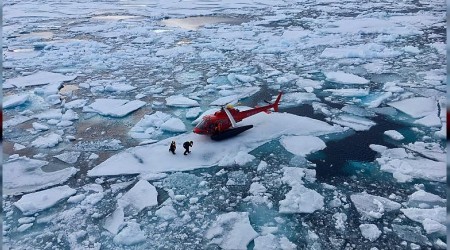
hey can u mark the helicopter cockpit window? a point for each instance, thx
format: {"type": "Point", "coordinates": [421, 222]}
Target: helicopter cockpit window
{"type": "Point", "coordinates": [202, 124]}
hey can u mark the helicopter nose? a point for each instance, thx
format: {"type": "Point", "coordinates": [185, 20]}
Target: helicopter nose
{"type": "Point", "coordinates": [198, 131]}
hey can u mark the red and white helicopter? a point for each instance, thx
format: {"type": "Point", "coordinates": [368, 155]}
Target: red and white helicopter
{"type": "Point", "coordinates": [222, 124]}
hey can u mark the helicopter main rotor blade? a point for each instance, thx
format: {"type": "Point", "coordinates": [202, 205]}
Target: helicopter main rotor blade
{"type": "Point", "coordinates": [233, 122]}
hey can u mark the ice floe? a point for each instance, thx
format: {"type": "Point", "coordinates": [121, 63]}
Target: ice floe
{"type": "Point", "coordinates": [35, 202]}
{"type": "Point", "coordinates": [47, 141]}
{"type": "Point", "coordinates": [345, 78]}
{"type": "Point", "coordinates": [302, 145]}
{"type": "Point", "coordinates": [14, 100]}
{"type": "Point", "coordinates": [113, 107]}
{"type": "Point", "coordinates": [231, 231]}
{"type": "Point", "coordinates": [406, 167]}
{"type": "Point", "coordinates": [205, 152]}
{"type": "Point", "coordinates": [394, 135]}
{"type": "Point", "coordinates": [38, 78]}
{"type": "Point", "coordinates": [370, 231]}
{"type": "Point", "coordinates": [297, 98]}
{"type": "Point", "coordinates": [173, 125]}
{"type": "Point", "coordinates": [181, 101]}
{"type": "Point", "coordinates": [356, 123]}
{"type": "Point", "coordinates": [416, 107]}
{"type": "Point", "coordinates": [371, 206]}
{"type": "Point", "coordinates": [140, 196]}
{"type": "Point", "coordinates": [130, 235]}
{"type": "Point", "coordinates": [25, 175]}
{"type": "Point", "coordinates": [69, 157]}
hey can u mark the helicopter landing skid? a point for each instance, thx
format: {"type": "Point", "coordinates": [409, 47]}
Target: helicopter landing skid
{"type": "Point", "coordinates": [230, 133]}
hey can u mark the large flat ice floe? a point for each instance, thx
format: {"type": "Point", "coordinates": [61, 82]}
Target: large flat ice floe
{"type": "Point", "coordinates": [39, 78]}
{"type": "Point", "coordinates": [205, 152]}
{"type": "Point", "coordinates": [345, 78]}
{"type": "Point", "coordinates": [406, 167]}
{"type": "Point", "coordinates": [114, 107]}
{"type": "Point", "coordinates": [302, 145]}
{"type": "Point", "coordinates": [416, 107]}
{"type": "Point", "coordinates": [26, 175]}
{"type": "Point", "coordinates": [35, 202]}
{"type": "Point", "coordinates": [231, 231]}
{"type": "Point", "coordinates": [371, 206]}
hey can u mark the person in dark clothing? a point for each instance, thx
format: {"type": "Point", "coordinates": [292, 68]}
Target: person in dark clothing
{"type": "Point", "coordinates": [186, 146]}
{"type": "Point", "coordinates": [172, 148]}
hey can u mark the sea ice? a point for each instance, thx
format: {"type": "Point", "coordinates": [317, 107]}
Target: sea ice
{"type": "Point", "coordinates": [405, 167]}
{"type": "Point", "coordinates": [272, 242]}
{"type": "Point", "coordinates": [12, 101]}
{"type": "Point", "coordinates": [114, 107]}
{"type": "Point", "coordinates": [130, 235]}
{"type": "Point", "coordinates": [25, 175]}
{"type": "Point", "coordinates": [416, 107]}
{"type": "Point", "coordinates": [348, 92]}
{"type": "Point", "coordinates": [193, 113]}
{"type": "Point", "coordinates": [356, 123]}
{"type": "Point", "coordinates": [35, 202]}
{"type": "Point", "coordinates": [371, 206]}
{"type": "Point", "coordinates": [39, 78]}
{"type": "Point", "coordinates": [302, 145]}
{"type": "Point", "coordinates": [205, 152]}
{"type": "Point", "coordinates": [68, 157]}
{"type": "Point", "coordinates": [421, 197]}
{"type": "Point", "coordinates": [301, 200]}
{"type": "Point", "coordinates": [430, 150]}
{"type": "Point", "coordinates": [235, 95]}
{"type": "Point", "coordinates": [345, 78]}
{"type": "Point", "coordinates": [437, 214]}
{"type": "Point", "coordinates": [394, 135]}
{"type": "Point", "coordinates": [166, 212]}
{"type": "Point", "coordinates": [47, 141]}
{"type": "Point", "coordinates": [114, 221]}
{"type": "Point", "coordinates": [231, 231]}
{"type": "Point", "coordinates": [370, 231]}
{"type": "Point", "coordinates": [296, 99]}
{"type": "Point", "coordinates": [181, 101]}
{"type": "Point", "coordinates": [173, 125]}
{"type": "Point", "coordinates": [140, 196]}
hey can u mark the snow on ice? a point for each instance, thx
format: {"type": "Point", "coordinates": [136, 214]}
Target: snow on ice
{"type": "Point", "coordinates": [114, 107]}
{"type": "Point", "coordinates": [302, 145]}
{"type": "Point", "coordinates": [35, 202]}
{"type": "Point", "coordinates": [345, 78]}
{"type": "Point", "coordinates": [140, 196]}
{"type": "Point", "coordinates": [14, 100]}
{"type": "Point", "coordinates": [231, 231]}
{"type": "Point", "coordinates": [416, 107]}
{"type": "Point", "coordinates": [205, 152]}
{"type": "Point", "coordinates": [370, 231]}
{"type": "Point", "coordinates": [181, 102]}
{"type": "Point", "coordinates": [39, 78]}
{"type": "Point", "coordinates": [25, 175]}
{"type": "Point", "coordinates": [371, 206]}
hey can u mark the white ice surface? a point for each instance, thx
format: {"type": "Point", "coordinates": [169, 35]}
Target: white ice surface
{"type": "Point", "coordinates": [236, 95]}
{"type": "Point", "coordinates": [69, 157]}
{"type": "Point", "coordinates": [406, 167]}
{"type": "Point", "coordinates": [47, 141]}
{"type": "Point", "coordinates": [370, 231]}
{"type": "Point", "coordinates": [193, 113]}
{"type": "Point", "coordinates": [301, 199]}
{"type": "Point", "coordinates": [371, 206]}
{"type": "Point", "coordinates": [356, 123]}
{"type": "Point", "coordinates": [421, 197]}
{"type": "Point", "coordinates": [345, 78]}
{"type": "Point", "coordinates": [348, 92]}
{"type": "Point", "coordinates": [39, 78]}
{"type": "Point", "coordinates": [394, 135]}
{"type": "Point", "coordinates": [302, 145]}
{"type": "Point", "coordinates": [35, 202]}
{"type": "Point", "coordinates": [173, 125]}
{"type": "Point", "coordinates": [114, 221]}
{"type": "Point", "coordinates": [231, 231]}
{"type": "Point", "coordinates": [296, 99]}
{"type": "Point", "coordinates": [431, 150]}
{"type": "Point", "coordinates": [181, 101]}
{"type": "Point", "coordinates": [416, 107]}
{"type": "Point", "coordinates": [205, 152]}
{"type": "Point", "coordinates": [114, 107]}
{"type": "Point", "coordinates": [25, 175]}
{"type": "Point", "coordinates": [140, 196]}
{"type": "Point", "coordinates": [130, 235]}
{"type": "Point", "coordinates": [12, 101]}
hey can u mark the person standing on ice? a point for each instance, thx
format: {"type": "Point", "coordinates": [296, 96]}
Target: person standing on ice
{"type": "Point", "coordinates": [172, 148]}
{"type": "Point", "coordinates": [186, 146]}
